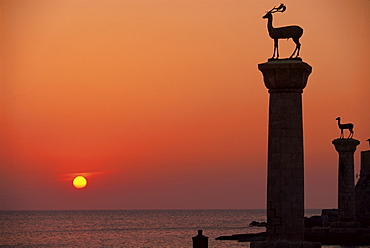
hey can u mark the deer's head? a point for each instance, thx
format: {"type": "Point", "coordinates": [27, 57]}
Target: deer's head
{"type": "Point", "coordinates": [281, 8]}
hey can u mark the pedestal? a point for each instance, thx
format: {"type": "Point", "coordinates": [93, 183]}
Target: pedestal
{"type": "Point", "coordinates": [346, 183]}
{"type": "Point", "coordinates": [285, 80]}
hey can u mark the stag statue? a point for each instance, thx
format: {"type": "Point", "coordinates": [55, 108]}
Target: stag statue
{"type": "Point", "coordinates": [348, 126]}
{"type": "Point", "coordinates": [294, 32]}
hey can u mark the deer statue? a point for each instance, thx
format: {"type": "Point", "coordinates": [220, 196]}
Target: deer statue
{"type": "Point", "coordinates": [294, 32]}
{"type": "Point", "coordinates": [348, 126]}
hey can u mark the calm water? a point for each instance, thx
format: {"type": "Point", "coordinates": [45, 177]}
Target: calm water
{"type": "Point", "coordinates": [125, 228]}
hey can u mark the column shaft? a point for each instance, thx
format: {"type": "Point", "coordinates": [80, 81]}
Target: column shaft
{"type": "Point", "coordinates": [346, 181]}
{"type": "Point", "coordinates": [285, 188]}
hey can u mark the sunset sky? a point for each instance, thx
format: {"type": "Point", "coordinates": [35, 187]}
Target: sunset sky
{"type": "Point", "coordinates": [160, 105]}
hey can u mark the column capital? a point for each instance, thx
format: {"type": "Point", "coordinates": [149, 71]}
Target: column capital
{"type": "Point", "coordinates": [345, 145]}
{"type": "Point", "coordinates": [285, 75]}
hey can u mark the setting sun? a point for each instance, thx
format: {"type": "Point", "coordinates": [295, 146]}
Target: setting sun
{"type": "Point", "coordinates": [79, 182]}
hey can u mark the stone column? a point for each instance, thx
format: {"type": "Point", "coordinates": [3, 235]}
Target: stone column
{"type": "Point", "coordinates": [285, 80]}
{"type": "Point", "coordinates": [346, 183]}
{"type": "Point", "coordinates": [362, 189]}
{"type": "Point", "coordinates": [365, 164]}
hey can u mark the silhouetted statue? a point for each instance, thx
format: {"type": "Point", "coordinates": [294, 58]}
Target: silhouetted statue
{"type": "Point", "coordinates": [348, 126]}
{"type": "Point", "coordinates": [200, 241]}
{"type": "Point", "coordinates": [294, 32]}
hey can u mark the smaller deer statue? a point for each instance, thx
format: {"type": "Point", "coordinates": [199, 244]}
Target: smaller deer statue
{"type": "Point", "coordinates": [294, 32]}
{"type": "Point", "coordinates": [348, 126]}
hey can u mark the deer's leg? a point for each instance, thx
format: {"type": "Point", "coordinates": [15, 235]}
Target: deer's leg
{"type": "Point", "coordinates": [291, 56]}
{"type": "Point", "coordinates": [351, 133]}
{"type": "Point", "coordinates": [276, 48]}
{"type": "Point", "coordinates": [297, 48]}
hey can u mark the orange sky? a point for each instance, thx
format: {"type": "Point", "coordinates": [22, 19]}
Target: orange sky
{"type": "Point", "coordinates": [160, 102]}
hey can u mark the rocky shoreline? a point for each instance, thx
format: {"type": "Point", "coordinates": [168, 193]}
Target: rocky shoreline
{"type": "Point", "coordinates": [325, 236]}
{"type": "Point", "coordinates": [315, 232]}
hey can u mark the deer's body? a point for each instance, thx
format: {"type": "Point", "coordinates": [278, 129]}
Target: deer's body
{"type": "Point", "coordinates": [284, 32]}
{"type": "Point", "coordinates": [294, 32]}
{"type": "Point", "coordinates": [348, 126]}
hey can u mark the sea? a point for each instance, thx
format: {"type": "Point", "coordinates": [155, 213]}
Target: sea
{"type": "Point", "coordinates": [127, 228]}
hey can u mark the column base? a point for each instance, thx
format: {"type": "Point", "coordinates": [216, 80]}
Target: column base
{"type": "Point", "coordinates": [345, 225]}
{"type": "Point", "coordinates": [285, 244]}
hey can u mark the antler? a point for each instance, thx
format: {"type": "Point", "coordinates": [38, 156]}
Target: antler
{"type": "Point", "coordinates": [281, 8]}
